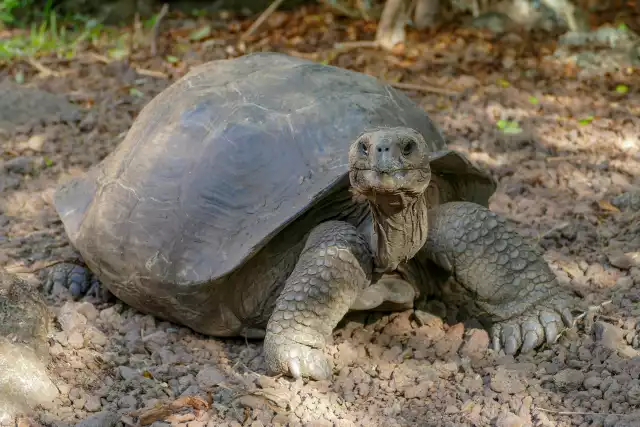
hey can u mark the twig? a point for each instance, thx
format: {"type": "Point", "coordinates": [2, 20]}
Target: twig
{"type": "Point", "coordinates": [41, 68]}
{"type": "Point", "coordinates": [141, 71]}
{"type": "Point", "coordinates": [422, 88]}
{"type": "Point", "coordinates": [156, 28]}
{"type": "Point", "coordinates": [263, 16]}
{"type": "Point", "coordinates": [604, 414]}
{"type": "Point", "coordinates": [356, 45]}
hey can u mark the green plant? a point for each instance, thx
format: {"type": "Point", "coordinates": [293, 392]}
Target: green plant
{"type": "Point", "coordinates": [7, 10]}
{"type": "Point", "coordinates": [51, 35]}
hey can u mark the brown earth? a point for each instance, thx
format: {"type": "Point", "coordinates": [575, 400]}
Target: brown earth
{"type": "Point", "coordinates": [577, 150]}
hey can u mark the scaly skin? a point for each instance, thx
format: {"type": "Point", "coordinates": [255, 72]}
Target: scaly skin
{"type": "Point", "coordinates": [389, 170]}
{"type": "Point", "coordinates": [505, 276]}
{"type": "Point", "coordinates": [78, 279]}
{"type": "Point", "coordinates": [334, 267]}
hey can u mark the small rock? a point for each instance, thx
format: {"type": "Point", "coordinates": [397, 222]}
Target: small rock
{"type": "Point", "coordinates": [608, 335]}
{"type": "Point", "coordinates": [510, 420]}
{"type": "Point", "coordinates": [88, 310]}
{"type": "Point", "coordinates": [95, 336]}
{"type": "Point", "coordinates": [451, 342]}
{"type": "Point", "coordinates": [319, 423]}
{"type": "Point", "coordinates": [633, 395]}
{"type": "Point", "coordinates": [101, 419]}
{"type": "Point", "coordinates": [347, 354]}
{"type": "Point", "coordinates": [127, 373]}
{"type": "Point", "coordinates": [21, 165]}
{"type": "Point", "coordinates": [624, 283]}
{"type": "Point", "coordinates": [92, 403]}
{"type": "Point", "coordinates": [70, 319]}
{"type": "Point", "coordinates": [420, 390]}
{"type": "Point", "coordinates": [625, 261]}
{"type": "Point", "coordinates": [427, 319]}
{"type": "Point", "coordinates": [476, 344]}
{"type": "Point", "coordinates": [36, 142]}
{"type": "Point", "coordinates": [504, 381]}
{"type": "Point", "coordinates": [209, 377]}
{"type": "Point", "coordinates": [568, 379]}
{"type": "Point", "coordinates": [76, 340]}
{"type": "Point", "coordinates": [127, 402]}
{"type": "Point", "coordinates": [592, 382]}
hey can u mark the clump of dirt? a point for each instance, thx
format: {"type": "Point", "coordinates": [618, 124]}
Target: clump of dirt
{"type": "Point", "coordinates": [565, 151]}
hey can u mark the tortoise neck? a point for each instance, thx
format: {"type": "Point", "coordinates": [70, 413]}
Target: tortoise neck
{"type": "Point", "coordinates": [399, 228]}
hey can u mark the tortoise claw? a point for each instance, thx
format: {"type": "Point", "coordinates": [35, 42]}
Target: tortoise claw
{"type": "Point", "coordinates": [528, 332]}
{"type": "Point", "coordinates": [284, 356]}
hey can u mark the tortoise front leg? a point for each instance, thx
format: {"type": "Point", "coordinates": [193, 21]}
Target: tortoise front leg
{"type": "Point", "coordinates": [335, 265]}
{"type": "Point", "coordinates": [508, 279]}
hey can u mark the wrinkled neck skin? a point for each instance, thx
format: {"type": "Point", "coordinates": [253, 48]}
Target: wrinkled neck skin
{"type": "Point", "coordinates": [399, 228]}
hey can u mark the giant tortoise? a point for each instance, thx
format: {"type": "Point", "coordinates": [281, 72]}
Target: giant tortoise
{"type": "Point", "coordinates": [266, 196]}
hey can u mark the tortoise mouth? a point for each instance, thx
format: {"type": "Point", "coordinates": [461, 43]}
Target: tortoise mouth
{"type": "Point", "coordinates": [371, 181]}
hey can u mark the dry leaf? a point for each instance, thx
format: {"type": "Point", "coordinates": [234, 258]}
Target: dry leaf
{"type": "Point", "coordinates": [607, 206]}
{"type": "Point", "coordinates": [151, 415]}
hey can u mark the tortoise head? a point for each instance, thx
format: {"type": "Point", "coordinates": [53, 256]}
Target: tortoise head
{"type": "Point", "coordinates": [390, 166]}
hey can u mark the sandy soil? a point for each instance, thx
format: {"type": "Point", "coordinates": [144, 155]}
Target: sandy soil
{"type": "Point", "coordinates": [560, 179]}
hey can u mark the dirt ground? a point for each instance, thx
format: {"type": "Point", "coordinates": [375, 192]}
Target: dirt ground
{"type": "Point", "coordinates": [561, 174]}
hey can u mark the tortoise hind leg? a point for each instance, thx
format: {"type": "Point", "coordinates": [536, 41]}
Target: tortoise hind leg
{"type": "Point", "coordinates": [77, 278]}
{"type": "Point", "coordinates": [334, 267]}
{"type": "Point", "coordinates": [506, 279]}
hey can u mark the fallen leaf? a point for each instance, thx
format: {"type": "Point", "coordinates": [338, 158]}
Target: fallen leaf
{"type": "Point", "coordinates": [586, 120]}
{"type": "Point", "coordinates": [135, 92]}
{"type": "Point", "coordinates": [622, 89]}
{"type": "Point", "coordinates": [607, 206]}
{"type": "Point", "coordinates": [200, 33]}
{"type": "Point", "coordinates": [147, 416]}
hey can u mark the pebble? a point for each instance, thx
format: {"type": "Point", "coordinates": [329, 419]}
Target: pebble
{"type": "Point", "coordinates": [88, 310]}
{"type": "Point", "coordinates": [127, 373]}
{"type": "Point", "coordinates": [127, 402]}
{"type": "Point", "coordinates": [21, 164]}
{"type": "Point", "coordinates": [209, 377]}
{"type": "Point", "coordinates": [510, 419]}
{"type": "Point", "coordinates": [101, 419]}
{"type": "Point", "coordinates": [95, 336]}
{"type": "Point", "coordinates": [75, 340]}
{"type": "Point", "coordinates": [70, 319]}
{"type": "Point", "coordinates": [504, 381]}
{"type": "Point", "coordinates": [568, 379]}
{"type": "Point", "coordinates": [592, 382]}
{"type": "Point", "coordinates": [92, 403]}
{"type": "Point", "coordinates": [476, 344]}
{"type": "Point", "coordinates": [608, 335]}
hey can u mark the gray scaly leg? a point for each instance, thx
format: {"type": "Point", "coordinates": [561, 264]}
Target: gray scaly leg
{"type": "Point", "coordinates": [507, 277]}
{"type": "Point", "coordinates": [334, 267]}
{"type": "Point", "coordinates": [78, 279]}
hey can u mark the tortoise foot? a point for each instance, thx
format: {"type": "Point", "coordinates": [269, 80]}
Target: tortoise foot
{"type": "Point", "coordinates": [287, 357]}
{"type": "Point", "coordinates": [78, 279]}
{"type": "Point", "coordinates": [543, 323]}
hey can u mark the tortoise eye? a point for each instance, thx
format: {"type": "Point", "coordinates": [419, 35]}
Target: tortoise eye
{"type": "Point", "coordinates": [408, 147]}
{"type": "Point", "coordinates": [363, 148]}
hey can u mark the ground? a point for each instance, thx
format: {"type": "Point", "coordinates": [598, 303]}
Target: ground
{"type": "Point", "coordinates": [562, 142]}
